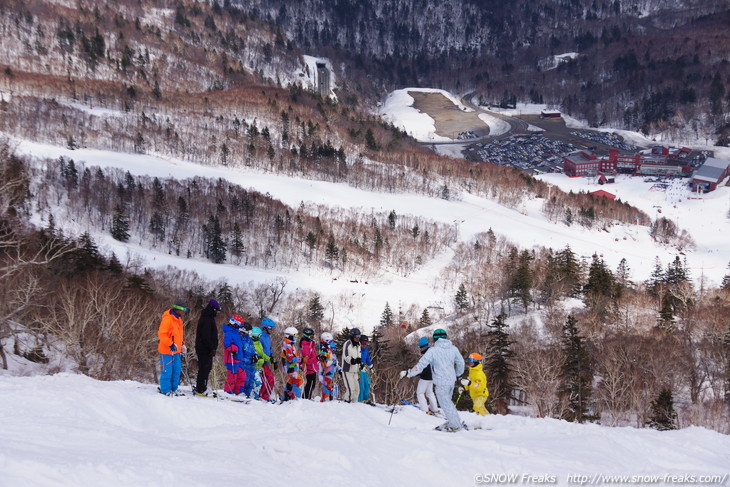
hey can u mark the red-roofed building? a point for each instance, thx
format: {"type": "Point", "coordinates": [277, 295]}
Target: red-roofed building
{"type": "Point", "coordinates": [604, 194]}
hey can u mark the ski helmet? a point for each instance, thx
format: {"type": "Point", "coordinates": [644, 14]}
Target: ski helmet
{"type": "Point", "coordinates": [308, 333]}
{"type": "Point", "coordinates": [291, 331]}
{"type": "Point", "coordinates": [423, 342]}
{"type": "Point", "coordinates": [256, 332]}
{"type": "Point", "coordinates": [247, 325]}
{"type": "Point", "coordinates": [236, 321]}
{"type": "Point", "coordinates": [364, 339]}
{"type": "Point", "coordinates": [268, 323]}
{"type": "Point", "coordinates": [474, 358]}
{"type": "Point", "coordinates": [355, 333]}
{"type": "Point", "coordinates": [326, 336]}
{"type": "Point", "coordinates": [180, 306]}
{"type": "Point", "coordinates": [440, 333]}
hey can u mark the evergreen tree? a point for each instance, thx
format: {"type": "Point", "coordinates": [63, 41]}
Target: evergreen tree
{"type": "Point", "coordinates": [386, 319]}
{"type": "Point", "coordinates": [311, 240]}
{"type": "Point", "coordinates": [157, 227]}
{"type": "Point", "coordinates": [623, 275]}
{"type": "Point", "coordinates": [216, 247]}
{"type": "Point", "coordinates": [331, 251]}
{"type": "Point", "coordinates": [114, 266]}
{"type": "Point", "coordinates": [522, 280]}
{"type": "Point", "coordinates": [120, 225]}
{"type": "Point", "coordinates": [392, 218]}
{"type": "Point", "coordinates": [87, 256]}
{"type": "Point", "coordinates": [425, 319]}
{"type": "Point", "coordinates": [663, 416]}
{"type": "Point", "coordinates": [461, 299]}
{"type": "Point", "coordinates": [601, 291]}
{"type": "Point", "coordinates": [666, 315]}
{"type": "Point", "coordinates": [224, 295]}
{"type": "Point", "coordinates": [569, 271]}
{"type": "Point", "coordinates": [576, 374]}
{"type": "Point", "coordinates": [315, 312]}
{"type": "Point", "coordinates": [498, 366]}
{"type": "Point", "coordinates": [237, 246]}
{"type": "Point", "coordinates": [655, 283]}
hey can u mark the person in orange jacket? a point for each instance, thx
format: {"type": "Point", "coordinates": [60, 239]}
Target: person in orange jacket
{"type": "Point", "coordinates": [171, 345]}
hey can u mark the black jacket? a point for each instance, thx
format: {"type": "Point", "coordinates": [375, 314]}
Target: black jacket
{"type": "Point", "coordinates": [426, 374]}
{"type": "Point", "coordinates": [206, 339]}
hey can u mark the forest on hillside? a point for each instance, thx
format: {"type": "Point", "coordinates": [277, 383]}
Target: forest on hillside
{"type": "Point", "coordinates": [654, 66]}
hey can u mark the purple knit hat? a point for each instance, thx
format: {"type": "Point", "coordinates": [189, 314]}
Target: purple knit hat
{"type": "Point", "coordinates": [214, 304]}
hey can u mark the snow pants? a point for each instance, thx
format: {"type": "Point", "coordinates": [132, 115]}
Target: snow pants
{"type": "Point", "coordinates": [267, 382]}
{"type": "Point", "coordinates": [257, 381]}
{"type": "Point", "coordinates": [352, 385]}
{"type": "Point", "coordinates": [170, 368]}
{"type": "Point", "coordinates": [443, 394]}
{"type": "Point", "coordinates": [426, 398]}
{"type": "Point", "coordinates": [328, 386]}
{"type": "Point", "coordinates": [234, 381]}
{"type": "Point", "coordinates": [205, 364]}
{"type": "Point", "coordinates": [479, 402]}
{"type": "Point", "coordinates": [309, 387]}
{"type": "Point", "coordinates": [293, 388]}
{"type": "Point", "coordinates": [250, 380]}
{"type": "Point", "coordinates": [364, 387]}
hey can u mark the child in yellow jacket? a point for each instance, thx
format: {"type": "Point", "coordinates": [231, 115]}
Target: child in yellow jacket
{"type": "Point", "coordinates": [476, 384]}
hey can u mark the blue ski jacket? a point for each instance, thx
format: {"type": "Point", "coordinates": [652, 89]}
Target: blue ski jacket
{"type": "Point", "coordinates": [365, 356]}
{"type": "Point", "coordinates": [266, 343]}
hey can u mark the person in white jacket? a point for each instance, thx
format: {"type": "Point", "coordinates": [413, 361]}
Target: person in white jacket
{"type": "Point", "coordinates": [446, 365]}
{"type": "Point", "coordinates": [351, 366]}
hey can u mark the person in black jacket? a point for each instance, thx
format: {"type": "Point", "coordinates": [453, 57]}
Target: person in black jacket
{"type": "Point", "coordinates": [206, 344]}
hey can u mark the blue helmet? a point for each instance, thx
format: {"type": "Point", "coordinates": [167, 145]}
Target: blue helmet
{"type": "Point", "coordinates": [255, 332]}
{"type": "Point", "coordinates": [423, 342]}
{"type": "Point", "coordinates": [268, 323]}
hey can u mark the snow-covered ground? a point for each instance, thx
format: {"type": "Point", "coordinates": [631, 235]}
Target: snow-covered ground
{"type": "Point", "coordinates": [497, 126]}
{"type": "Point", "coordinates": [70, 430]}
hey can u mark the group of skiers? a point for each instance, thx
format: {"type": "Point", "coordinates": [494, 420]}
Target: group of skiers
{"type": "Point", "coordinates": [250, 361]}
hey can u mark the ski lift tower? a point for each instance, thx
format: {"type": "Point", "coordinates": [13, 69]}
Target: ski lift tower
{"type": "Point", "coordinates": [323, 80]}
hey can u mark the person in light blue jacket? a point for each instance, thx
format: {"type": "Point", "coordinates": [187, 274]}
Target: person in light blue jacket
{"type": "Point", "coordinates": [446, 365]}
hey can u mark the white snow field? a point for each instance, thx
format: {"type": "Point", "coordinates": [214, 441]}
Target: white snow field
{"type": "Point", "coordinates": [70, 430]}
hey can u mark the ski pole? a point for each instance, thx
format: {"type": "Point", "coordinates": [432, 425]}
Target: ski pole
{"type": "Point", "coordinates": [397, 387]}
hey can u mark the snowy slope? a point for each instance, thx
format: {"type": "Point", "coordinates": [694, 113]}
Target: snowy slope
{"type": "Point", "coordinates": [526, 227]}
{"type": "Point", "coordinates": [70, 430]}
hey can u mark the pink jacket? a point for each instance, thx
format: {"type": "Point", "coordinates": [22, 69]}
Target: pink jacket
{"type": "Point", "coordinates": [309, 357]}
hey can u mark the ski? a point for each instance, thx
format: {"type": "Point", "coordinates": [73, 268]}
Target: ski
{"type": "Point", "coordinates": [430, 413]}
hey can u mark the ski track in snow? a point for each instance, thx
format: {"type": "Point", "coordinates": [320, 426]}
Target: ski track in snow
{"type": "Point", "coordinates": [70, 430]}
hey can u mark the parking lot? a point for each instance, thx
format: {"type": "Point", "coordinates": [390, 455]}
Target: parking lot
{"type": "Point", "coordinates": [534, 154]}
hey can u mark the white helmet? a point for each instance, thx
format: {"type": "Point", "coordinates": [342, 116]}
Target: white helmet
{"type": "Point", "coordinates": [326, 336]}
{"type": "Point", "coordinates": [291, 331]}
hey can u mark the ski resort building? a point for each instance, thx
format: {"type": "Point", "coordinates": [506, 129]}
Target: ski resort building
{"type": "Point", "coordinates": [549, 114]}
{"type": "Point", "coordinates": [709, 175]}
{"type": "Point", "coordinates": [662, 163]}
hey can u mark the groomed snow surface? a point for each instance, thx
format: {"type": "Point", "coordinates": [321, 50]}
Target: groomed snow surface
{"type": "Point", "coordinates": [398, 109]}
{"type": "Point", "coordinates": [70, 430]}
